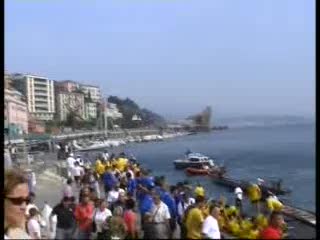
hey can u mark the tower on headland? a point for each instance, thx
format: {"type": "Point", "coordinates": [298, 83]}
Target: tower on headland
{"type": "Point", "coordinates": [202, 121]}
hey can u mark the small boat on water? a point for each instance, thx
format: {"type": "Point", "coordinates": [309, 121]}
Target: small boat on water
{"type": "Point", "coordinates": [212, 169]}
{"type": "Point", "coordinates": [194, 160]}
{"type": "Point", "coordinates": [197, 171]}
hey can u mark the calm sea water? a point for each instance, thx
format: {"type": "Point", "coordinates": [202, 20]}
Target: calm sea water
{"type": "Point", "coordinates": [286, 152]}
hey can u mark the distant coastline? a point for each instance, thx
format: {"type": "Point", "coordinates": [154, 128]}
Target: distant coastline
{"type": "Point", "coordinates": [265, 121]}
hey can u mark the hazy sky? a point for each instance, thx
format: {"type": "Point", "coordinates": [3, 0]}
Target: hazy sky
{"type": "Point", "coordinates": [245, 57]}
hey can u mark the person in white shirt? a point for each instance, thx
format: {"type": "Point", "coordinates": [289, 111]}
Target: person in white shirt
{"type": "Point", "coordinates": [70, 164]}
{"type": "Point", "coordinates": [66, 149]}
{"type": "Point", "coordinates": [160, 217]}
{"type": "Point", "coordinates": [101, 214]}
{"type": "Point", "coordinates": [239, 195]}
{"type": "Point", "coordinates": [210, 227]}
{"type": "Point", "coordinates": [77, 173]}
{"type": "Point", "coordinates": [33, 225]}
{"type": "Point", "coordinates": [113, 195]}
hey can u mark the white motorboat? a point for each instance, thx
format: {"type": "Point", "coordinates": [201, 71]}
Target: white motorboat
{"type": "Point", "coordinates": [196, 160]}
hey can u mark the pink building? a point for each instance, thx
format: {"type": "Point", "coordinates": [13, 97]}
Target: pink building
{"type": "Point", "coordinates": [15, 111]}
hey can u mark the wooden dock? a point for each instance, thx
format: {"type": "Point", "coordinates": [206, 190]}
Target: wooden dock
{"type": "Point", "coordinates": [300, 214]}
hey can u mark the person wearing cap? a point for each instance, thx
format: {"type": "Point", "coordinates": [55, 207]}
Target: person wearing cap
{"type": "Point", "coordinates": [199, 191]}
{"type": "Point", "coordinates": [145, 180]}
{"type": "Point", "coordinates": [239, 195]}
{"type": "Point", "coordinates": [65, 219]}
{"type": "Point", "coordinates": [185, 202]}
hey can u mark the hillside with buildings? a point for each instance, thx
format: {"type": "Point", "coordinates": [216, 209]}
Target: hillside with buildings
{"type": "Point", "coordinates": [134, 116]}
{"type": "Point", "coordinates": [36, 104]}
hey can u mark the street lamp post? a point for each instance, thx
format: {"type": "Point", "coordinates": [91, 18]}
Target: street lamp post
{"type": "Point", "coordinates": [106, 117]}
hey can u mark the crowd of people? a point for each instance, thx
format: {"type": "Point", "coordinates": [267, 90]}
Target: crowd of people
{"type": "Point", "coordinates": [134, 205]}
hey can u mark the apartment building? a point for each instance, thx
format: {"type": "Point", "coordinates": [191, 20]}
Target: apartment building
{"type": "Point", "coordinates": [91, 91]}
{"type": "Point", "coordinates": [39, 92]}
{"type": "Point", "coordinates": [70, 103]}
{"type": "Point", "coordinates": [90, 110]}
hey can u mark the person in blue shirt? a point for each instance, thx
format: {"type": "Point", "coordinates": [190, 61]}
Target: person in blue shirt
{"type": "Point", "coordinates": [144, 182]}
{"type": "Point", "coordinates": [169, 200]}
{"type": "Point", "coordinates": [145, 203]}
{"type": "Point", "coordinates": [132, 185]}
{"type": "Point", "coordinates": [109, 181]}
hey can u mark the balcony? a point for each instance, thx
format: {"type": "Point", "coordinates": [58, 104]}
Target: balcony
{"type": "Point", "coordinates": [41, 93]}
{"type": "Point", "coordinates": [42, 104]}
{"type": "Point", "coordinates": [40, 81]}
{"type": "Point", "coordinates": [40, 101]}
{"type": "Point", "coordinates": [40, 88]}
{"type": "Point", "coordinates": [41, 107]}
{"type": "Point", "coordinates": [41, 98]}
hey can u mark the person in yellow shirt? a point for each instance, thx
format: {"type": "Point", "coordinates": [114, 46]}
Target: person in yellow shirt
{"type": "Point", "coordinates": [99, 168]}
{"type": "Point", "coordinates": [254, 193]}
{"type": "Point", "coordinates": [194, 219]}
{"type": "Point", "coordinates": [121, 163]}
{"type": "Point", "coordinates": [97, 163]}
{"type": "Point", "coordinates": [273, 203]}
